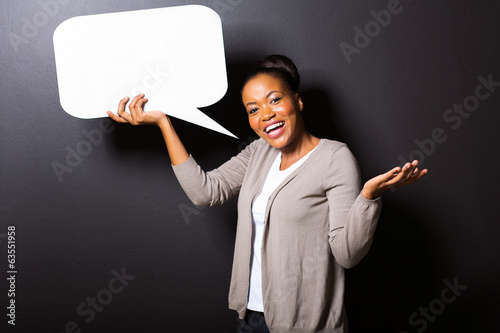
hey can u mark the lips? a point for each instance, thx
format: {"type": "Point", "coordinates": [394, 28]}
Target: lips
{"type": "Point", "coordinates": [274, 129]}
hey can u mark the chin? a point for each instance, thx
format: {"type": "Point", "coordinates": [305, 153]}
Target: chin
{"type": "Point", "coordinates": [277, 143]}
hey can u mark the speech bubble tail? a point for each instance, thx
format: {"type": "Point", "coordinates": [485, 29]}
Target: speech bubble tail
{"type": "Point", "coordinates": [197, 117]}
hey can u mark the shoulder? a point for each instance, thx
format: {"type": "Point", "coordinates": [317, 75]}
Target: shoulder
{"type": "Point", "coordinates": [339, 162]}
{"type": "Point", "coordinates": [256, 153]}
{"type": "Point", "coordinates": [259, 147]}
{"type": "Point", "coordinates": [331, 145]}
{"type": "Point", "coordinates": [334, 151]}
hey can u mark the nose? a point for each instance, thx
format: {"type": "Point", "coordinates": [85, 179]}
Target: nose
{"type": "Point", "coordinates": [267, 113]}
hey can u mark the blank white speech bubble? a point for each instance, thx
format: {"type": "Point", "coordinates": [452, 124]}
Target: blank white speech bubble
{"type": "Point", "coordinates": [173, 55]}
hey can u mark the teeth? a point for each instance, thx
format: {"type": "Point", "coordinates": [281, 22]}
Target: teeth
{"type": "Point", "coordinates": [273, 126]}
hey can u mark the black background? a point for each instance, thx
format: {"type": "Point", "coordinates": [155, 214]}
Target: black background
{"type": "Point", "coordinates": [122, 208]}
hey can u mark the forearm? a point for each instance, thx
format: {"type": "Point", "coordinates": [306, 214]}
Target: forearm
{"type": "Point", "coordinates": [176, 150]}
{"type": "Point", "coordinates": [353, 217]}
{"type": "Point", "coordinates": [351, 242]}
{"type": "Point", "coordinates": [217, 186]}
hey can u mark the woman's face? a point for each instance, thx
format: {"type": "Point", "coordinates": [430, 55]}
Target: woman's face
{"type": "Point", "coordinates": [273, 112]}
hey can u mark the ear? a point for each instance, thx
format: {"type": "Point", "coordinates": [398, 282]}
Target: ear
{"type": "Point", "coordinates": [299, 102]}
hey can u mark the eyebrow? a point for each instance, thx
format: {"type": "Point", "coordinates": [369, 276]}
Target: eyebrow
{"type": "Point", "coordinates": [267, 96]}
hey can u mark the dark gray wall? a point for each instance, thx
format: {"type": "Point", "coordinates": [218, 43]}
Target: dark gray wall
{"type": "Point", "coordinates": [120, 211]}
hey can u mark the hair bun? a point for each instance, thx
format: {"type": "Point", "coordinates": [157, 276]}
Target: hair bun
{"type": "Point", "coordinates": [278, 66]}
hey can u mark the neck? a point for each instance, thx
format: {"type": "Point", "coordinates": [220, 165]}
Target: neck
{"type": "Point", "coordinates": [298, 149]}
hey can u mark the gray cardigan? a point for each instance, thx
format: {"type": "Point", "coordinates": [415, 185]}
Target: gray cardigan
{"type": "Point", "coordinates": [317, 223]}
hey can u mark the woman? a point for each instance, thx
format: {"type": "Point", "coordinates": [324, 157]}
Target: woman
{"type": "Point", "coordinates": [302, 215]}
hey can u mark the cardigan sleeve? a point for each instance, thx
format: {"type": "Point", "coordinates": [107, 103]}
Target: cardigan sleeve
{"type": "Point", "coordinates": [217, 186]}
{"type": "Point", "coordinates": [352, 217]}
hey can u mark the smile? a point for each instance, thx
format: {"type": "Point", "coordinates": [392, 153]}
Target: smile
{"type": "Point", "coordinates": [274, 129]}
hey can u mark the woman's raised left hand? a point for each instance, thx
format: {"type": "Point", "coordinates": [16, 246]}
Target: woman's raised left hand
{"type": "Point", "coordinates": [396, 177]}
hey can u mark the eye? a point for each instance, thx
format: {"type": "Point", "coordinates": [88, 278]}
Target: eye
{"type": "Point", "coordinates": [253, 110]}
{"type": "Point", "coordinates": [275, 100]}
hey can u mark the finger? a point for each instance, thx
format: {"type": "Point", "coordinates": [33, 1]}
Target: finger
{"type": "Point", "coordinates": [140, 104]}
{"type": "Point", "coordinates": [386, 179]}
{"type": "Point", "coordinates": [412, 170]}
{"type": "Point", "coordinates": [402, 176]}
{"type": "Point", "coordinates": [409, 169]}
{"type": "Point", "coordinates": [121, 110]}
{"type": "Point", "coordinates": [415, 177]}
{"type": "Point", "coordinates": [391, 174]}
{"type": "Point", "coordinates": [135, 102]}
{"type": "Point", "coordinates": [122, 103]}
{"type": "Point", "coordinates": [137, 108]}
{"type": "Point", "coordinates": [116, 117]}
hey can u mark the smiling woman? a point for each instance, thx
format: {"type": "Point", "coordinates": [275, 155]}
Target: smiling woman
{"type": "Point", "coordinates": [302, 215]}
{"type": "Point", "coordinates": [274, 108]}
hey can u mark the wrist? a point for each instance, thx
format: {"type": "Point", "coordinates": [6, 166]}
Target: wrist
{"type": "Point", "coordinates": [369, 194]}
{"type": "Point", "coordinates": [164, 122]}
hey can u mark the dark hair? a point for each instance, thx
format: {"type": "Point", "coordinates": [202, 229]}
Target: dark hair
{"type": "Point", "coordinates": [277, 66]}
